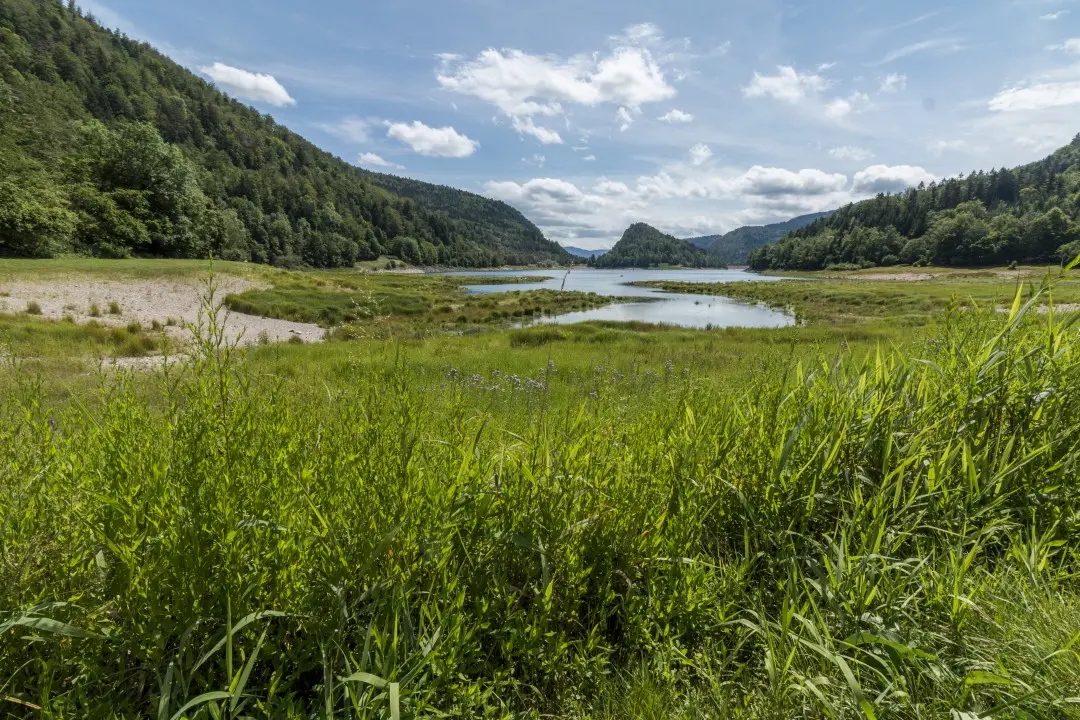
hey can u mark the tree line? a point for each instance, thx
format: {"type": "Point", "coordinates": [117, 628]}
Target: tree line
{"type": "Point", "coordinates": [1026, 214]}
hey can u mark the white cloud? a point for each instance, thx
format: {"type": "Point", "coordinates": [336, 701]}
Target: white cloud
{"type": "Point", "coordinates": [613, 188]}
{"type": "Point", "coordinates": [888, 179]}
{"type": "Point", "coordinates": [769, 181]}
{"type": "Point", "coordinates": [700, 154]}
{"type": "Point", "coordinates": [673, 117]}
{"type": "Point", "coordinates": [354, 130]}
{"type": "Point", "coordinates": [942, 46]}
{"type": "Point", "coordinates": [788, 85]}
{"type": "Point", "coordinates": [840, 108]}
{"type": "Point", "coordinates": [589, 158]}
{"type": "Point", "coordinates": [1054, 15]}
{"type": "Point", "coordinates": [257, 87]}
{"type": "Point", "coordinates": [1072, 45]}
{"type": "Point", "coordinates": [569, 211]}
{"type": "Point", "coordinates": [943, 146]}
{"type": "Point", "coordinates": [893, 82]}
{"type": "Point", "coordinates": [439, 142]}
{"type": "Point", "coordinates": [850, 152]}
{"type": "Point", "coordinates": [370, 158]}
{"type": "Point", "coordinates": [526, 126]}
{"type": "Point", "coordinates": [1036, 97]}
{"type": "Point", "coordinates": [625, 119]}
{"type": "Point", "coordinates": [524, 86]}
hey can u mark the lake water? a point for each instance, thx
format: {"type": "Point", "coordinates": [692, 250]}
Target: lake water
{"type": "Point", "coordinates": [696, 311]}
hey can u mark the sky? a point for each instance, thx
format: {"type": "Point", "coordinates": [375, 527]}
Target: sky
{"type": "Point", "coordinates": [694, 116]}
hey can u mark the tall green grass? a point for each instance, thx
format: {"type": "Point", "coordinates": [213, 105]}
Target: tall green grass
{"type": "Point", "coordinates": [889, 538]}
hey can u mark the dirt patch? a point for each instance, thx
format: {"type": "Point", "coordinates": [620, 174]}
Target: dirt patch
{"type": "Point", "coordinates": [172, 303]}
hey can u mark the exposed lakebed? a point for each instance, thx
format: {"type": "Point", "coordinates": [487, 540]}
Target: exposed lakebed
{"type": "Point", "coordinates": [645, 304]}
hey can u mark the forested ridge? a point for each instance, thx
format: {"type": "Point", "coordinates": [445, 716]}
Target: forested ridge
{"type": "Point", "coordinates": [735, 247]}
{"type": "Point", "coordinates": [108, 148]}
{"type": "Point", "coordinates": [1027, 214]}
{"type": "Point", "coordinates": [644, 246]}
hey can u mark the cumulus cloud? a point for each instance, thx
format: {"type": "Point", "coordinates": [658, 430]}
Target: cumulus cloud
{"type": "Point", "coordinates": [840, 108]}
{"type": "Point", "coordinates": [787, 85]}
{"type": "Point", "coordinates": [526, 126]}
{"type": "Point", "coordinates": [536, 160]}
{"type": "Point", "coordinates": [673, 117]}
{"type": "Point", "coordinates": [567, 210]}
{"type": "Point", "coordinates": [257, 87]}
{"type": "Point", "coordinates": [525, 86]}
{"type": "Point", "coordinates": [893, 83]}
{"type": "Point", "coordinates": [770, 181]}
{"type": "Point", "coordinates": [438, 142]}
{"type": "Point", "coordinates": [1036, 97]}
{"type": "Point", "coordinates": [700, 154]}
{"type": "Point", "coordinates": [625, 118]}
{"type": "Point", "coordinates": [1072, 45]}
{"type": "Point", "coordinates": [888, 179]}
{"type": "Point", "coordinates": [850, 152]}
{"type": "Point", "coordinates": [370, 158]}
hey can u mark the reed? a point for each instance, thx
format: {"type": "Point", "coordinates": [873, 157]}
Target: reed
{"type": "Point", "coordinates": [889, 537]}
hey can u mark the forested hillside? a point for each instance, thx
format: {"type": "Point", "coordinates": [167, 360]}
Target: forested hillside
{"type": "Point", "coordinates": [1026, 214]}
{"type": "Point", "coordinates": [109, 148]}
{"type": "Point", "coordinates": [644, 246]}
{"type": "Point", "coordinates": [735, 247]}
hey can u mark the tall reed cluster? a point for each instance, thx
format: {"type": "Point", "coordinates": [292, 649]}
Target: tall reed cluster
{"type": "Point", "coordinates": [892, 538]}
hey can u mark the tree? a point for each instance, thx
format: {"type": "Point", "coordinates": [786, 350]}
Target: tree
{"type": "Point", "coordinates": [34, 221]}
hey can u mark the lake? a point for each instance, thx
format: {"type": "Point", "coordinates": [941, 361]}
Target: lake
{"type": "Point", "coordinates": [697, 311]}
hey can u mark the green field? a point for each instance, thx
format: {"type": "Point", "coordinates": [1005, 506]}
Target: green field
{"type": "Point", "coordinates": [875, 514]}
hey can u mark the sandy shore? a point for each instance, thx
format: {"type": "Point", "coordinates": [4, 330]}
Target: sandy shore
{"type": "Point", "coordinates": [173, 303]}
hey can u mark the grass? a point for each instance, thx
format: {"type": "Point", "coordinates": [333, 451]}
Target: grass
{"type": "Point", "coordinates": [584, 522]}
{"type": "Point", "coordinates": [855, 300]}
{"type": "Point", "coordinates": [387, 304]}
{"type": "Point", "coordinates": [24, 336]}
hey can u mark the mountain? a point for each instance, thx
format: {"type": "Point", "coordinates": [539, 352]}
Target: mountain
{"type": "Point", "coordinates": [108, 148]}
{"type": "Point", "coordinates": [734, 247]}
{"type": "Point", "coordinates": [1026, 214]}
{"type": "Point", "coordinates": [582, 252]}
{"type": "Point", "coordinates": [644, 246]}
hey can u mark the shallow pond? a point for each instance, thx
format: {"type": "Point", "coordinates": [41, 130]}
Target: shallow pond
{"type": "Point", "coordinates": [656, 306]}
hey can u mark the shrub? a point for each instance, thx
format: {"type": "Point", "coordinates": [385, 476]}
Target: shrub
{"type": "Point", "coordinates": [33, 308]}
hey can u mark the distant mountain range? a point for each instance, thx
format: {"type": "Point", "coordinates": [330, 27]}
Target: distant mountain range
{"type": "Point", "coordinates": [644, 246]}
{"type": "Point", "coordinates": [582, 252]}
{"type": "Point", "coordinates": [734, 247]}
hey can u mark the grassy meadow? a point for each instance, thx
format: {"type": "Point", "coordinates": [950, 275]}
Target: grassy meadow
{"type": "Point", "coordinates": [875, 517]}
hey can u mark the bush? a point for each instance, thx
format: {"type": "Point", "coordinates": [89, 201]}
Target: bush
{"type": "Point", "coordinates": [33, 308]}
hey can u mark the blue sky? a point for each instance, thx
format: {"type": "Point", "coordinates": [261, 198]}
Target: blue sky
{"type": "Point", "coordinates": [695, 116]}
